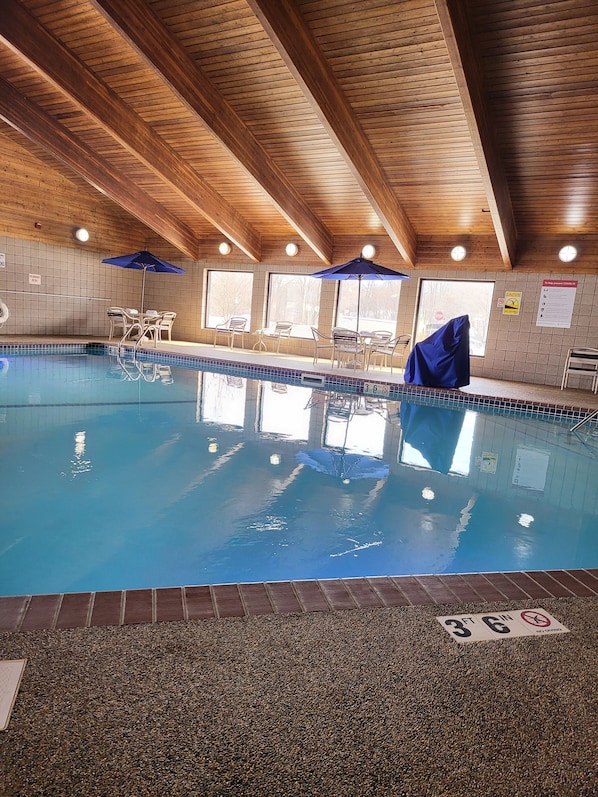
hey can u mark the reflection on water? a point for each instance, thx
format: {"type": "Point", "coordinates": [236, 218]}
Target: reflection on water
{"type": "Point", "coordinates": [187, 477]}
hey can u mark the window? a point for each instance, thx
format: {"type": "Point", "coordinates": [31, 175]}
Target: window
{"type": "Point", "coordinates": [441, 300]}
{"type": "Point", "coordinates": [378, 305]}
{"type": "Point", "coordinates": [229, 294]}
{"type": "Point", "coordinates": [294, 298]}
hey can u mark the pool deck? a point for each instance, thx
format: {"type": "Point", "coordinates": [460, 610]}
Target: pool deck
{"type": "Point", "coordinates": [194, 602]}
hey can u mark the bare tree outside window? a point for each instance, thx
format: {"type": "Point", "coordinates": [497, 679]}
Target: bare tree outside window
{"type": "Point", "coordinates": [379, 305]}
{"type": "Point", "coordinates": [229, 294]}
{"type": "Point", "coordinates": [294, 298]}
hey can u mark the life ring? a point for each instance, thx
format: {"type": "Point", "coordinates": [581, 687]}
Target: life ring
{"type": "Point", "coordinates": [4, 312]}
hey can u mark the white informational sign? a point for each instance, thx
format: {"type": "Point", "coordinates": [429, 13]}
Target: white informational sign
{"type": "Point", "coordinates": [2, 260]}
{"type": "Point", "coordinates": [556, 303]}
{"type": "Point", "coordinates": [11, 672]}
{"type": "Point", "coordinates": [501, 625]}
{"type": "Point", "coordinates": [35, 279]}
{"type": "Point", "coordinates": [530, 469]}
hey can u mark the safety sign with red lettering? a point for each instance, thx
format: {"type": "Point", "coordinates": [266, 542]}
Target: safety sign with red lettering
{"type": "Point", "coordinates": [501, 625]}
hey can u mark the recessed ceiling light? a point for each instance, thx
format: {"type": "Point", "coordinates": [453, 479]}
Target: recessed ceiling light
{"type": "Point", "coordinates": [368, 251]}
{"type": "Point", "coordinates": [458, 253]}
{"type": "Point", "coordinates": [225, 248]}
{"type": "Point", "coordinates": [81, 234]}
{"type": "Point", "coordinates": [291, 250]}
{"type": "Point", "coordinates": [567, 254]}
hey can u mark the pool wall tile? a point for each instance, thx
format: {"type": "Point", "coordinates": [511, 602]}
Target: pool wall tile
{"type": "Point", "coordinates": [12, 610]}
{"type": "Point", "coordinates": [283, 597]}
{"type": "Point", "coordinates": [570, 583]}
{"type": "Point", "coordinates": [227, 600]}
{"type": "Point", "coordinates": [529, 585]}
{"type": "Point", "coordinates": [199, 604]}
{"type": "Point", "coordinates": [107, 608]}
{"type": "Point", "coordinates": [311, 597]}
{"type": "Point", "coordinates": [507, 588]}
{"type": "Point", "coordinates": [256, 599]}
{"type": "Point", "coordinates": [41, 612]}
{"type": "Point", "coordinates": [585, 578]}
{"type": "Point", "coordinates": [169, 604]}
{"type": "Point", "coordinates": [389, 592]}
{"type": "Point", "coordinates": [415, 591]}
{"type": "Point", "coordinates": [552, 586]}
{"type": "Point", "coordinates": [338, 595]}
{"type": "Point", "coordinates": [80, 610]}
{"type": "Point", "coordinates": [139, 606]}
{"type": "Point", "coordinates": [439, 591]}
{"type": "Point", "coordinates": [363, 594]}
{"type": "Point", "coordinates": [74, 610]}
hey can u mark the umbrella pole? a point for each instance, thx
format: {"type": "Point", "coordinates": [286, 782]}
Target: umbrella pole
{"type": "Point", "coordinates": [143, 289]}
{"type": "Point", "coordinates": [359, 278]}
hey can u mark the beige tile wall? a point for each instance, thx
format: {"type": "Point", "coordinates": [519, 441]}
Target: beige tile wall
{"type": "Point", "coordinates": [77, 288]}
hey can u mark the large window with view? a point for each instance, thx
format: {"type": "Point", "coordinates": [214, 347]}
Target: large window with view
{"type": "Point", "coordinates": [378, 305]}
{"type": "Point", "coordinates": [228, 295]}
{"type": "Point", "coordinates": [441, 300]}
{"type": "Point", "coordinates": [294, 298]}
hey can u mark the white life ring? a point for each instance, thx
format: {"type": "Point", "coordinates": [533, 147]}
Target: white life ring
{"type": "Point", "coordinates": [4, 312]}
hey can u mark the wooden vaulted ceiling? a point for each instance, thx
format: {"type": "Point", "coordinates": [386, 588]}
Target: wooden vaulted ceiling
{"type": "Point", "coordinates": [409, 120]}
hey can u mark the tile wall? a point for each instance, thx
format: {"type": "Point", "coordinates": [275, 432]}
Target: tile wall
{"type": "Point", "coordinates": [75, 290]}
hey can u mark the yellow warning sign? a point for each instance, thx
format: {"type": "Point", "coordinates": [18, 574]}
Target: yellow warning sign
{"type": "Point", "coordinates": [512, 303]}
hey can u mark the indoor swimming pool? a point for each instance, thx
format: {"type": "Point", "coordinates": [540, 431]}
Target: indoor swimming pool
{"type": "Point", "coordinates": [124, 474]}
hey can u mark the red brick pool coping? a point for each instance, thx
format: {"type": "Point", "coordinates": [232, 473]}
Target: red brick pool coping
{"type": "Point", "coordinates": [127, 607]}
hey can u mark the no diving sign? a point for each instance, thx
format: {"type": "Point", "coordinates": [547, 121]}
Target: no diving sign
{"type": "Point", "coordinates": [501, 625]}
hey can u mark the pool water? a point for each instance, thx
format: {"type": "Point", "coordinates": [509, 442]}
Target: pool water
{"type": "Point", "coordinates": [121, 475]}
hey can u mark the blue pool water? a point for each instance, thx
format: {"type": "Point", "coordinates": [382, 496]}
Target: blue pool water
{"type": "Point", "coordinates": [122, 475]}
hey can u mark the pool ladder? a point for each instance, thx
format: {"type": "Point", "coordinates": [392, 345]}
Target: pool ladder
{"type": "Point", "coordinates": [584, 420]}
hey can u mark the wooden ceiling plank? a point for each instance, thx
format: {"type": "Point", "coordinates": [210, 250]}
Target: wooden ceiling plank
{"type": "Point", "coordinates": [453, 16]}
{"type": "Point", "coordinates": [163, 53]}
{"type": "Point", "coordinates": [43, 130]}
{"type": "Point", "coordinates": [22, 33]}
{"type": "Point", "coordinates": [299, 50]}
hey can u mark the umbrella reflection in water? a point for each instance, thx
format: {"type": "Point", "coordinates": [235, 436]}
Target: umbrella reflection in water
{"type": "Point", "coordinates": [336, 462]}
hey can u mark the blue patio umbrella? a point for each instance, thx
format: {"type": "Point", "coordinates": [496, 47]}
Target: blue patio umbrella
{"type": "Point", "coordinates": [343, 466]}
{"type": "Point", "coordinates": [143, 261]}
{"type": "Point", "coordinates": [359, 269]}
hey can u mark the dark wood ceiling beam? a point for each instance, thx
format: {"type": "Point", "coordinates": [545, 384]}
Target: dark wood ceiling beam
{"type": "Point", "coordinates": [163, 53]}
{"type": "Point", "coordinates": [298, 48]}
{"type": "Point", "coordinates": [22, 33]}
{"type": "Point", "coordinates": [453, 16]}
{"type": "Point", "coordinates": [43, 130]}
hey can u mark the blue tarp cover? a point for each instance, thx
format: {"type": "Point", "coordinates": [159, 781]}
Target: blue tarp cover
{"type": "Point", "coordinates": [442, 360]}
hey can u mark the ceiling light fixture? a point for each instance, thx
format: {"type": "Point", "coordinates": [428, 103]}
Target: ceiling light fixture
{"type": "Point", "coordinates": [81, 234]}
{"type": "Point", "coordinates": [567, 254]}
{"type": "Point", "coordinates": [458, 253]}
{"type": "Point", "coordinates": [291, 250]}
{"type": "Point", "coordinates": [225, 248]}
{"type": "Point", "coordinates": [368, 251]}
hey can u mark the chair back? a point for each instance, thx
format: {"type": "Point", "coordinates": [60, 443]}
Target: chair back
{"type": "Point", "coordinates": [237, 323]}
{"type": "Point", "coordinates": [167, 319]}
{"type": "Point", "coordinates": [345, 337]}
{"type": "Point", "coordinates": [380, 337]}
{"type": "Point", "coordinates": [283, 329]}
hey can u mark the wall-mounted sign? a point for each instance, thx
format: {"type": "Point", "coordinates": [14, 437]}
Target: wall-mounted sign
{"type": "Point", "coordinates": [35, 279]}
{"type": "Point", "coordinates": [2, 260]}
{"type": "Point", "coordinates": [556, 303]}
{"type": "Point", "coordinates": [512, 303]}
